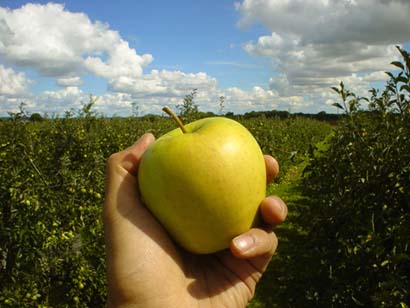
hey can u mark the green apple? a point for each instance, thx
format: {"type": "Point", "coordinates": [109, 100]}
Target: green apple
{"type": "Point", "coordinates": [204, 182]}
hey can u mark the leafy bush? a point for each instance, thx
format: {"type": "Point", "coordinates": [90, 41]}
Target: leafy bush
{"type": "Point", "coordinates": [188, 109]}
{"type": "Point", "coordinates": [51, 197]}
{"type": "Point", "coordinates": [51, 189]}
{"type": "Point", "coordinates": [353, 238]}
{"type": "Point", "coordinates": [288, 140]}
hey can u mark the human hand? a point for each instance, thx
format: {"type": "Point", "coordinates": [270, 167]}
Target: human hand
{"type": "Point", "coordinates": [146, 269]}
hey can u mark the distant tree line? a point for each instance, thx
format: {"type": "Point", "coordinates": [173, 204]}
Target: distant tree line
{"type": "Point", "coordinates": [188, 111]}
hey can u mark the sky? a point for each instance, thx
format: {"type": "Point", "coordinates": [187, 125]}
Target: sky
{"type": "Point", "coordinates": [137, 56]}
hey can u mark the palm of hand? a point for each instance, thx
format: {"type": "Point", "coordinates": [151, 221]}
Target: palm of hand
{"type": "Point", "coordinates": [167, 274]}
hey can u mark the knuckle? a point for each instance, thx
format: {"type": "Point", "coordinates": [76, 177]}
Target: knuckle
{"type": "Point", "coordinates": [112, 159]}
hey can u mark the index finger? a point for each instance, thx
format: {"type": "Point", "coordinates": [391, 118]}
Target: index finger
{"type": "Point", "coordinates": [272, 168]}
{"type": "Point", "coordinates": [129, 158]}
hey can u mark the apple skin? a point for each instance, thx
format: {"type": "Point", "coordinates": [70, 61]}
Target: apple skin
{"type": "Point", "coordinates": [204, 186]}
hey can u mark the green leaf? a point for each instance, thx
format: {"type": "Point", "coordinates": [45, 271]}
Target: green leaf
{"type": "Point", "coordinates": [403, 53]}
{"type": "Point", "coordinates": [384, 263]}
{"type": "Point", "coordinates": [359, 303]}
{"type": "Point", "coordinates": [402, 79]}
{"type": "Point", "coordinates": [337, 105]}
{"type": "Point", "coordinates": [335, 89]}
{"type": "Point", "coordinates": [405, 87]}
{"type": "Point", "coordinates": [390, 75]}
{"type": "Point", "coordinates": [403, 305]}
{"type": "Point", "coordinates": [398, 64]}
{"type": "Point", "coordinates": [352, 104]}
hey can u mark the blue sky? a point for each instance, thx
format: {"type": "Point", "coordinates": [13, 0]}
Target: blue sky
{"type": "Point", "coordinates": [260, 55]}
{"type": "Point", "coordinates": [187, 35]}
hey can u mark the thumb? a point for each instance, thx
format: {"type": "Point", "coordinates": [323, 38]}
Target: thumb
{"type": "Point", "coordinates": [129, 158]}
{"type": "Point", "coordinates": [121, 191]}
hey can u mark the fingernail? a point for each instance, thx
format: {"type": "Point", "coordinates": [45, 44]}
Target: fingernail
{"type": "Point", "coordinates": [283, 208]}
{"type": "Point", "coordinates": [279, 203]}
{"type": "Point", "coordinates": [146, 136]}
{"type": "Point", "coordinates": [243, 242]}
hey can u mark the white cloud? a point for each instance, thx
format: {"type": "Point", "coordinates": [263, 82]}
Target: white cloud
{"type": "Point", "coordinates": [315, 44]}
{"type": "Point", "coordinates": [57, 43]}
{"type": "Point", "coordinates": [330, 21]}
{"type": "Point", "coordinates": [122, 61]}
{"type": "Point", "coordinates": [256, 99]}
{"type": "Point", "coordinates": [260, 99]}
{"type": "Point", "coordinates": [12, 83]}
{"type": "Point", "coordinates": [69, 81]}
{"type": "Point", "coordinates": [66, 93]}
{"type": "Point", "coordinates": [13, 90]}
{"type": "Point", "coordinates": [164, 83]}
{"type": "Point", "coordinates": [64, 45]}
{"type": "Point", "coordinates": [72, 99]}
{"type": "Point", "coordinates": [310, 45]}
{"type": "Point", "coordinates": [60, 101]}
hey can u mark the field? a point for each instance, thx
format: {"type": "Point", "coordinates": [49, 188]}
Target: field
{"type": "Point", "coordinates": [345, 242]}
{"type": "Point", "coordinates": [52, 188]}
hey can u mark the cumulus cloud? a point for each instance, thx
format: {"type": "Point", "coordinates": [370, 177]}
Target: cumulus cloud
{"type": "Point", "coordinates": [169, 83]}
{"type": "Point", "coordinates": [13, 90]}
{"type": "Point", "coordinates": [254, 100]}
{"type": "Point", "coordinates": [314, 44]}
{"type": "Point", "coordinates": [12, 83]}
{"type": "Point", "coordinates": [59, 43]}
{"type": "Point", "coordinates": [72, 99]}
{"type": "Point", "coordinates": [310, 46]}
{"type": "Point", "coordinates": [69, 81]}
{"type": "Point", "coordinates": [65, 46]}
{"type": "Point", "coordinates": [260, 99]}
{"type": "Point", "coordinates": [330, 21]}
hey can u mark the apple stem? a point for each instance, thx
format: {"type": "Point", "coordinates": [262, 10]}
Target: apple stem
{"type": "Point", "coordinates": [172, 114]}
